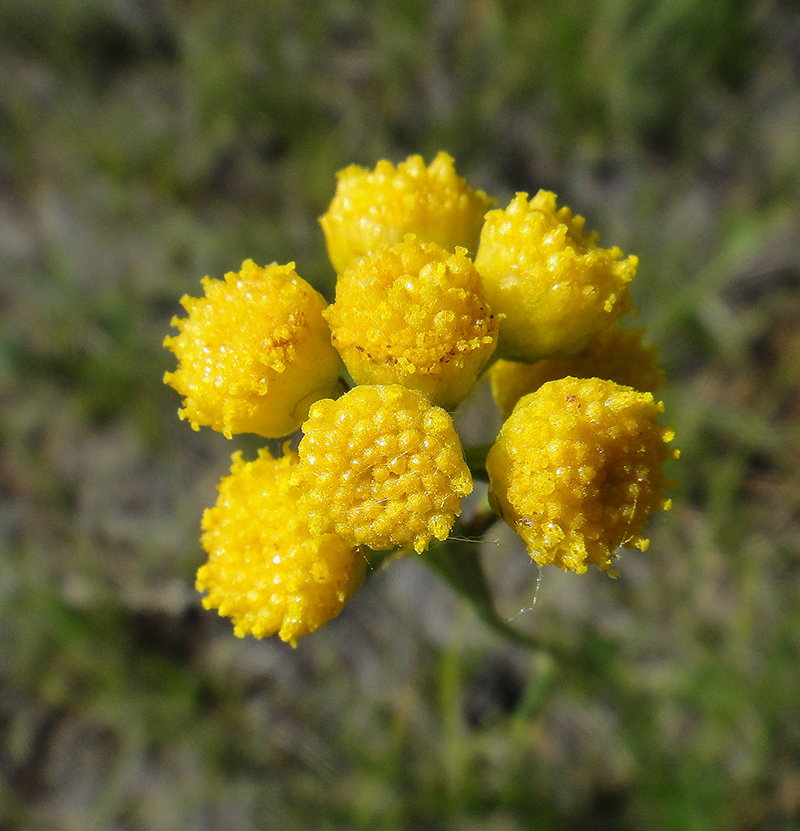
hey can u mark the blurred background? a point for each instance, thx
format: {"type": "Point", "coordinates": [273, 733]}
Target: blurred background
{"type": "Point", "coordinates": [147, 143]}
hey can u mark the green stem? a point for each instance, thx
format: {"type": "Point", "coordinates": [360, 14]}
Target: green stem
{"type": "Point", "coordinates": [459, 564]}
{"type": "Point", "coordinates": [475, 458]}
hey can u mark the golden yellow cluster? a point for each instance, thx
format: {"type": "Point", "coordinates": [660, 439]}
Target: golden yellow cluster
{"type": "Point", "coordinates": [616, 354]}
{"type": "Point", "coordinates": [576, 468]}
{"type": "Point", "coordinates": [414, 314]}
{"type": "Point", "coordinates": [381, 467]}
{"type": "Point", "coordinates": [556, 287]}
{"type": "Point", "coordinates": [375, 208]}
{"type": "Point", "coordinates": [265, 569]}
{"type": "Point", "coordinates": [254, 353]}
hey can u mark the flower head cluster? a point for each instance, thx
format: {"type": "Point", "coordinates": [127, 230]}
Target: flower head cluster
{"type": "Point", "coordinates": [414, 314]}
{"type": "Point", "coordinates": [555, 286]}
{"type": "Point", "coordinates": [382, 467]}
{"type": "Point", "coordinates": [576, 468]}
{"type": "Point", "coordinates": [265, 569]}
{"type": "Point", "coordinates": [616, 354]}
{"type": "Point", "coordinates": [374, 208]}
{"type": "Point", "coordinates": [254, 353]}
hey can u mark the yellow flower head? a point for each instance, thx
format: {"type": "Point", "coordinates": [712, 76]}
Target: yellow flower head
{"type": "Point", "coordinates": [265, 570]}
{"type": "Point", "coordinates": [615, 354]}
{"type": "Point", "coordinates": [576, 470]}
{"type": "Point", "coordinates": [415, 315]}
{"type": "Point", "coordinates": [254, 353]}
{"type": "Point", "coordinates": [379, 207]}
{"type": "Point", "coordinates": [557, 288]}
{"type": "Point", "coordinates": [381, 467]}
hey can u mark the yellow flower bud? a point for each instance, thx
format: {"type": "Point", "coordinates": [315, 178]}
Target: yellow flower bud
{"type": "Point", "coordinates": [557, 288]}
{"type": "Point", "coordinates": [381, 467]}
{"type": "Point", "coordinates": [254, 353]}
{"type": "Point", "coordinates": [577, 469]}
{"type": "Point", "coordinates": [379, 207]}
{"type": "Point", "coordinates": [265, 570]}
{"type": "Point", "coordinates": [616, 354]}
{"type": "Point", "coordinates": [415, 315]}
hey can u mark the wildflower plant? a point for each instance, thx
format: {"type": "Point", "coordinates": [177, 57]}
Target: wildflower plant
{"type": "Point", "coordinates": [434, 289]}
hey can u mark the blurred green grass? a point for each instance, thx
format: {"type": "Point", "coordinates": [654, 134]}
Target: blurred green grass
{"type": "Point", "coordinates": [146, 144]}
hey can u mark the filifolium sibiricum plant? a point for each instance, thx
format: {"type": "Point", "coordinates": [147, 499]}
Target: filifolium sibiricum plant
{"type": "Point", "coordinates": [436, 286]}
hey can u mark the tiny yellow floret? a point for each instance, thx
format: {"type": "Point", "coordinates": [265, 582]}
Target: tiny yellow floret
{"type": "Point", "coordinates": [265, 570]}
{"type": "Point", "coordinates": [383, 467]}
{"type": "Point", "coordinates": [379, 207]}
{"type": "Point", "coordinates": [577, 469]}
{"type": "Point", "coordinates": [415, 315]}
{"type": "Point", "coordinates": [254, 353]}
{"type": "Point", "coordinates": [556, 287]}
{"type": "Point", "coordinates": [616, 354]}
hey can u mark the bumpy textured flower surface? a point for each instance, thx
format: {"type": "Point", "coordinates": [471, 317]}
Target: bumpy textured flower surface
{"type": "Point", "coordinates": [381, 467]}
{"type": "Point", "coordinates": [415, 315]}
{"type": "Point", "coordinates": [557, 288]}
{"type": "Point", "coordinates": [577, 469]}
{"type": "Point", "coordinates": [265, 570]}
{"type": "Point", "coordinates": [379, 207]}
{"type": "Point", "coordinates": [616, 354]}
{"type": "Point", "coordinates": [254, 353]}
